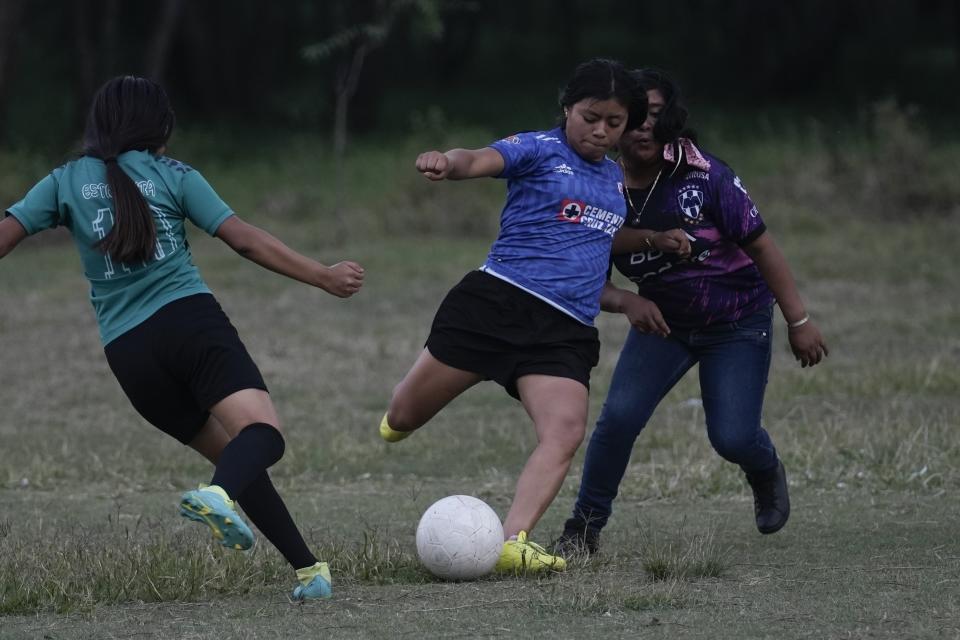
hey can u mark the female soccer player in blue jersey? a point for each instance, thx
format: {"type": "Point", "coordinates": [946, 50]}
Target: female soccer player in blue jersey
{"type": "Point", "coordinates": [525, 318]}
{"type": "Point", "coordinates": [172, 349]}
{"type": "Point", "coordinates": [707, 273]}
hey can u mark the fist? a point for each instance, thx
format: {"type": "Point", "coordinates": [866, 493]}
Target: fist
{"type": "Point", "coordinates": [433, 165]}
{"type": "Point", "coordinates": [344, 279]}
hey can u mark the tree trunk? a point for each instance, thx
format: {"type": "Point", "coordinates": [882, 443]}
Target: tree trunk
{"type": "Point", "coordinates": [346, 87]}
{"type": "Point", "coordinates": [86, 58]}
{"type": "Point", "coordinates": [96, 45]}
{"type": "Point", "coordinates": [955, 6]}
{"type": "Point", "coordinates": [157, 54]}
{"type": "Point", "coordinates": [11, 12]}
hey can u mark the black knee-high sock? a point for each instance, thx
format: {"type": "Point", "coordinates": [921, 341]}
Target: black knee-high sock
{"type": "Point", "coordinates": [265, 508]}
{"type": "Point", "coordinates": [255, 448]}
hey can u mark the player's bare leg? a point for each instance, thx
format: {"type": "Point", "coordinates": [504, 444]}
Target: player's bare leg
{"type": "Point", "coordinates": [558, 407]}
{"type": "Point", "coordinates": [428, 387]}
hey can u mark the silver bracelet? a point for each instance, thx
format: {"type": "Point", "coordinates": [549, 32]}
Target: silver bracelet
{"type": "Point", "coordinates": [799, 323]}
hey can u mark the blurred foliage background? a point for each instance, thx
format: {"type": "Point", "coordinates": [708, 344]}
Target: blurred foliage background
{"type": "Point", "coordinates": [283, 63]}
{"type": "Point", "coordinates": [293, 107]}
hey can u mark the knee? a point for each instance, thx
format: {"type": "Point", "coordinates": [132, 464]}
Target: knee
{"type": "Point", "coordinates": [566, 437]}
{"type": "Point", "coordinates": [271, 426]}
{"type": "Point", "coordinates": [267, 428]}
{"type": "Point", "coordinates": [732, 447]}
{"type": "Point", "coordinates": [617, 425]}
{"type": "Point", "coordinates": [266, 438]}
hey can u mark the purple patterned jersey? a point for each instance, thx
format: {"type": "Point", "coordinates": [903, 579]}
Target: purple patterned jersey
{"type": "Point", "coordinates": [718, 282]}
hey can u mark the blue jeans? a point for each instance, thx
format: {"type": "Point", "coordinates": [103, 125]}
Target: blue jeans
{"type": "Point", "coordinates": [734, 362]}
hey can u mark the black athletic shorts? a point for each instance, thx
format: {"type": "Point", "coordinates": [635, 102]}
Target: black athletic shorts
{"type": "Point", "coordinates": [489, 326]}
{"type": "Point", "coordinates": [181, 361]}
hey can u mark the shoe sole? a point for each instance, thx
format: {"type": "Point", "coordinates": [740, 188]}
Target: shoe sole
{"type": "Point", "coordinates": [768, 530]}
{"type": "Point", "coordinates": [523, 569]}
{"type": "Point", "coordinates": [223, 527]}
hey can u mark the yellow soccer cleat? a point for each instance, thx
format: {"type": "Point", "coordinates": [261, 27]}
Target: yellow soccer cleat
{"type": "Point", "coordinates": [389, 434]}
{"type": "Point", "coordinates": [521, 556]}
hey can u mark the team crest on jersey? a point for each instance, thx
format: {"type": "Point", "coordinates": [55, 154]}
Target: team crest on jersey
{"type": "Point", "coordinates": [691, 201]}
{"type": "Point", "coordinates": [514, 139]}
{"type": "Point", "coordinates": [620, 188]}
{"type": "Point", "coordinates": [571, 210]}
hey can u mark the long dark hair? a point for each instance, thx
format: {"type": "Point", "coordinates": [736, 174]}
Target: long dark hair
{"type": "Point", "coordinates": [603, 79]}
{"type": "Point", "coordinates": [672, 121]}
{"type": "Point", "coordinates": [128, 113]}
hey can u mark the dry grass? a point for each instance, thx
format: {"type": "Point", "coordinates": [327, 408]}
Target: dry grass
{"type": "Point", "coordinates": [88, 526]}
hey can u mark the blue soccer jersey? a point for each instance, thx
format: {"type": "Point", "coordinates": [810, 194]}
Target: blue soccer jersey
{"type": "Point", "coordinates": [558, 223]}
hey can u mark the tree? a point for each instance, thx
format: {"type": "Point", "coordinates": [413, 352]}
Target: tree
{"type": "Point", "coordinates": [10, 13]}
{"type": "Point", "coordinates": [351, 44]}
{"type": "Point", "coordinates": [159, 49]}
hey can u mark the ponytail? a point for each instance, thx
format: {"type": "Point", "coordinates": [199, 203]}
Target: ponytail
{"type": "Point", "coordinates": [134, 234]}
{"type": "Point", "coordinates": [128, 113]}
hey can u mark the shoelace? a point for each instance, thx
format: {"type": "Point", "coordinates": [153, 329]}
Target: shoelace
{"type": "Point", "coordinates": [536, 547]}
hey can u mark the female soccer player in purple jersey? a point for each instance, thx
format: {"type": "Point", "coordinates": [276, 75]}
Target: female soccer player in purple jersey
{"type": "Point", "coordinates": [172, 349]}
{"type": "Point", "coordinates": [707, 273]}
{"type": "Point", "coordinates": [525, 318]}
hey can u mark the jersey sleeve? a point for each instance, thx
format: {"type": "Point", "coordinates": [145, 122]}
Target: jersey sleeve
{"type": "Point", "coordinates": [737, 216]}
{"type": "Point", "coordinates": [203, 207]}
{"type": "Point", "coordinates": [520, 152]}
{"type": "Point", "coordinates": [39, 210]}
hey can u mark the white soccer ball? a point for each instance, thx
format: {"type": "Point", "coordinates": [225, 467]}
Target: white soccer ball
{"type": "Point", "coordinates": [459, 538]}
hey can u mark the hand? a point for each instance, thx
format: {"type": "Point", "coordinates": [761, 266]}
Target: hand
{"type": "Point", "coordinates": [343, 279]}
{"type": "Point", "coordinates": [672, 241]}
{"type": "Point", "coordinates": [644, 315]}
{"type": "Point", "coordinates": [434, 165]}
{"type": "Point", "coordinates": [807, 344]}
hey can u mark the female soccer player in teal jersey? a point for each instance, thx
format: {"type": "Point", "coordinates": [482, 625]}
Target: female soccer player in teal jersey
{"type": "Point", "coordinates": [171, 347]}
{"type": "Point", "coordinates": [525, 318]}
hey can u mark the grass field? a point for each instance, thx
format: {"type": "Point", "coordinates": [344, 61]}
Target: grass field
{"type": "Point", "coordinates": [91, 547]}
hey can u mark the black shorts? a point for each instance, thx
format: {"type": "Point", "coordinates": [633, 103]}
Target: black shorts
{"type": "Point", "coordinates": [181, 361]}
{"type": "Point", "coordinates": [491, 327]}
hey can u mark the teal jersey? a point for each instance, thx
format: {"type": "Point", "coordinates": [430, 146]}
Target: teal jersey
{"type": "Point", "coordinates": [77, 197]}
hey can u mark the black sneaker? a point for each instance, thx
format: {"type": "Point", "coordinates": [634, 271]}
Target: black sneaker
{"type": "Point", "coordinates": [577, 539]}
{"type": "Point", "coordinates": [771, 501]}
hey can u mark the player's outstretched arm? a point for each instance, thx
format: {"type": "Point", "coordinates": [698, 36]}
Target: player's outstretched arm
{"type": "Point", "coordinates": [11, 233]}
{"type": "Point", "coordinates": [460, 164]}
{"type": "Point", "coordinates": [253, 243]}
